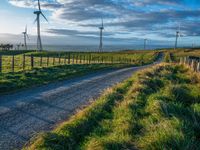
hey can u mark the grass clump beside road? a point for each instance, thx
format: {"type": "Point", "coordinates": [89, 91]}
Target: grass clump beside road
{"type": "Point", "coordinates": [157, 108]}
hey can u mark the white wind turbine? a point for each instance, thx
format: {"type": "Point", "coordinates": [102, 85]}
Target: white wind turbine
{"type": "Point", "coordinates": [38, 13]}
{"type": "Point", "coordinates": [25, 33]}
{"type": "Point", "coordinates": [178, 34]}
{"type": "Point", "coordinates": [101, 36]}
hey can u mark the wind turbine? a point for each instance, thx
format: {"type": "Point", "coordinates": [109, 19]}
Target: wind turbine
{"type": "Point", "coordinates": [101, 36]}
{"type": "Point", "coordinates": [178, 34]}
{"type": "Point", "coordinates": [38, 13]}
{"type": "Point", "coordinates": [145, 43]}
{"type": "Point", "coordinates": [25, 36]}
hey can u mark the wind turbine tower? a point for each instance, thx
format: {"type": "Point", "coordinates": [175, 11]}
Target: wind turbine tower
{"type": "Point", "coordinates": [101, 37]}
{"type": "Point", "coordinates": [25, 36]}
{"type": "Point", "coordinates": [178, 34]}
{"type": "Point", "coordinates": [145, 44]}
{"type": "Point", "coordinates": [38, 13]}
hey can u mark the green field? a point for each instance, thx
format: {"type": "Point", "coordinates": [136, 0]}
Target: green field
{"type": "Point", "coordinates": [16, 61]}
{"type": "Point", "coordinates": [60, 70]}
{"type": "Point", "coordinates": [157, 108]}
{"type": "Point", "coordinates": [184, 52]}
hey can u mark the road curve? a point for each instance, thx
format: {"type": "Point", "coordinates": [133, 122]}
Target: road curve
{"type": "Point", "coordinates": [26, 113]}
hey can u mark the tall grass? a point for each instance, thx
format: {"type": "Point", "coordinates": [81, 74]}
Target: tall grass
{"type": "Point", "coordinates": [157, 109]}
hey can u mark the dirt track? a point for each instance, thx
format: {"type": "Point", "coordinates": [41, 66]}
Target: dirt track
{"type": "Point", "coordinates": [24, 114]}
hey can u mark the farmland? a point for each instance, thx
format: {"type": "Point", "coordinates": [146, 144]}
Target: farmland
{"type": "Point", "coordinates": [185, 52]}
{"type": "Point", "coordinates": [158, 108]}
{"type": "Point", "coordinates": [21, 70]}
{"type": "Point", "coordinates": [16, 61]}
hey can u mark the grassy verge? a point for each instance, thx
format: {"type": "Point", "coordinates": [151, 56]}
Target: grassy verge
{"type": "Point", "coordinates": [157, 108]}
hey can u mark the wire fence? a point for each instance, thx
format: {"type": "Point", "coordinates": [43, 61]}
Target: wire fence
{"type": "Point", "coordinates": [192, 62]}
{"type": "Point", "coordinates": [16, 63]}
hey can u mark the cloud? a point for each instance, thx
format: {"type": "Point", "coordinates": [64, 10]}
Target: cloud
{"type": "Point", "coordinates": [159, 18]}
{"type": "Point", "coordinates": [47, 5]}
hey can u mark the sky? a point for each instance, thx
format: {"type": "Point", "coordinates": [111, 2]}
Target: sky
{"type": "Point", "coordinates": [127, 22]}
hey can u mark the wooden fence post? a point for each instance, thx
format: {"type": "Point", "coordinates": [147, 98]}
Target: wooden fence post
{"type": "Point", "coordinates": [83, 59]}
{"type": "Point", "coordinates": [13, 63]}
{"type": "Point", "coordinates": [47, 61]}
{"type": "Point", "coordinates": [41, 59]}
{"type": "Point", "coordinates": [185, 61]}
{"type": "Point", "coordinates": [1, 64]}
{"type": "Point", "coordinates": [59, 57]}
{"type": "Point", "coordinates": [180, 61]}
{"type": "Point", "coordinates": [195, 65]}
{"type": "Point", "coordinates": [90, 57]}
{"type": "Point", "coordinates": [73, 59]}
{"type": "Point", "coordinates": [32, 62]}
{"type": "Point", "coordinates": [80, 57]}
{"type": "Point", "coordinates": [65, 60]}
{"type": "Point", "coordinates": [23, 63]}
{"type": "Point", "coordinates": [87, 57]}
{"type": "Point", "coordinates": [69, 58]}
{"type": "Point", "coordinates": [76, 58]}
{"type": "Point", "coordinates": [198, 67]}
{"type": "Point", "coordinates": [53, 60]}
{"type": "Point", "coordinates": [192, 64]}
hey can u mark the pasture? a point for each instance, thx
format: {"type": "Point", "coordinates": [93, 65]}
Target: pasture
{"type": "Point", "coordinates": [23, 70]}
{"type": "Point", "coordinates": [16, 61]}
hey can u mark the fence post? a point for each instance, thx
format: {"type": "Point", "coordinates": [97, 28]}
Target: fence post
{"type": "Point", "coordinates": [90, 57]}
{"type": "Point", "coordinates": [32, 61]}
{"type": "Point", "coordinates": [192, 64]}
{"type": "Point", "coordinates": [80, 57]}
{"type": "Point", "coordinates": [53, 60]}
{"type": "Point", "coordinates": [1, 64]}
{"type": "Point", "coordinates": [185, 61]}
{"type": "Point", "coordinates": [198, 67]}
{"type": "Point", "coordinates": [195, 65]}
{"type": "Point", "coordinates": [13, 63]}
{"type": "Point", "coordinates": [69, 58]}
{"type": "Point", "coordinates": [87, 57]}
{"type": "Point", "coordinates": [83, 59]}
{"type": "Point", "coordinates": [47, 61]}
{"type": "Point", "coordinates": [180, 61]}
{"type": "Point", "coordinates": [65, 60]}
{"type": "Point", "coordinates": [73, 59]}
{"type": "Point", "coordinates": [76, 58]}
{"type": "Point", "coordinates": [40, 61]}
{"type": "Point", "coordinates": [23, 63]}
{"type": "Point", "coordinates": [59, 57]}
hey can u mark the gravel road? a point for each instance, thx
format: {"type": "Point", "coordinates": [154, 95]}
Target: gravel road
{"type": "Point", "coordinates": [24, 114]}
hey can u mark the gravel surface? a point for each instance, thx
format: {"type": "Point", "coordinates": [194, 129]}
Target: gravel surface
{"type": "Point", "coordinates": [24, 114]}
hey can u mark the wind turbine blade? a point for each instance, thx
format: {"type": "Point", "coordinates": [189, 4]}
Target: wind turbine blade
{"type": "Point", "coordinates": [39, 5]}
{"type": "Point", "coordinates": [44, 17]}
{"type": "Point", "coordinates": [28, 36]}
{"type": "Point", "coordinates": [26, 29]}
{"type": "Point", "coordinates": [35, 20]}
